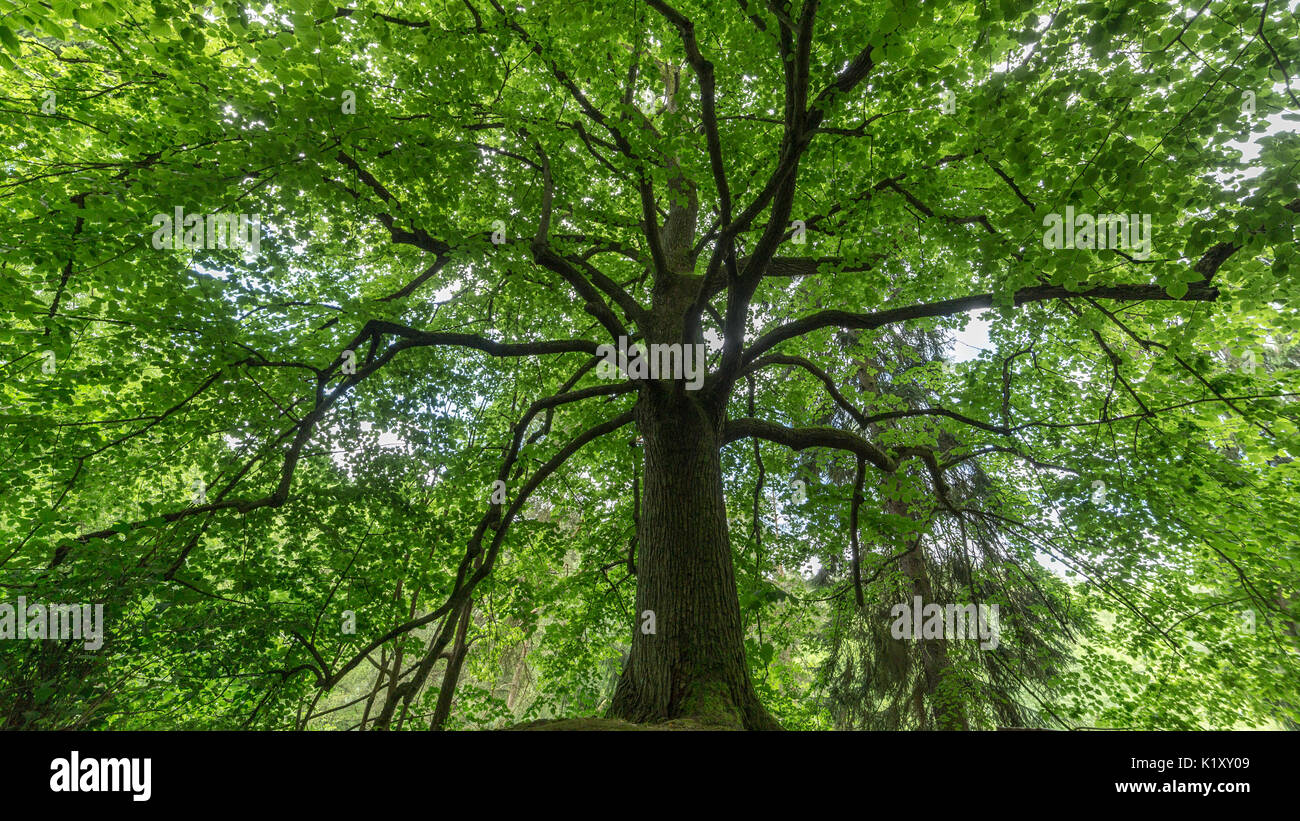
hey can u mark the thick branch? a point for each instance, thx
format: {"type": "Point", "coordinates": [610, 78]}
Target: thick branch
{"type": "Point", "coordinates": [948, 307]}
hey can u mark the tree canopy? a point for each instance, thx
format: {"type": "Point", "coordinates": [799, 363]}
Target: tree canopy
{"type": "Point", "coordinates": [303, 307]}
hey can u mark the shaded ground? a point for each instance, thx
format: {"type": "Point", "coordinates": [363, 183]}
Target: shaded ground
{"type": "Point", "coordinates": [603, 724]}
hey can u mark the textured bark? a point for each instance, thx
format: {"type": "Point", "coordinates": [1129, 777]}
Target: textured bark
{"type": "Point", "coordinates": [449, 679]}
{"type": "Point", "coordinates": [935, 664]}
{"type": "Point", "coordinates": [693, 666]}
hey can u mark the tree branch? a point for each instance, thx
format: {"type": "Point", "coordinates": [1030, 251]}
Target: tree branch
{"type": "Point", "coordinates": [846, 319]}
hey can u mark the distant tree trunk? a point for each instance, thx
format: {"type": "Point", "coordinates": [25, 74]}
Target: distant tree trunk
{"type": "Point", "coordinates": [693, 665]}
{"type": "Point", "coordinates": [452, 674]}
{"type": "Point", "coordinates": [519, 677]}
{"type": "Point", "coordinates": [374, 687]}
{"type": "Point", "coordinates": [933, 710]}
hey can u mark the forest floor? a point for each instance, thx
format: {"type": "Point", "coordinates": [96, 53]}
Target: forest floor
{"type": "Point", "coordinates": [603, 724]}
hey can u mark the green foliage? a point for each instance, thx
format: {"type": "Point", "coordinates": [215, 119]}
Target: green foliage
{"type": "Point", "coordinates": [382, 145]}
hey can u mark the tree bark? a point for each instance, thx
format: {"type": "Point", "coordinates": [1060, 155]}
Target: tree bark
{"type": "Point", "coordinates": [693, 665]}
{"type": "Point", "coordinates": [452, 675]}
{"type": "Point", "coordinates": [935, 707]}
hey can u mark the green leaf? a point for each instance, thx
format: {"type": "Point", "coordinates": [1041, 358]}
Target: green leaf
{"type": "Point", "coordinates": [10, 41]}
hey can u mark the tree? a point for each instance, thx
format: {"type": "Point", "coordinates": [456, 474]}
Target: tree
{"type": "Point", "coordinates": [433, 183]}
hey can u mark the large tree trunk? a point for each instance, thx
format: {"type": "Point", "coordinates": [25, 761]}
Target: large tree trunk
{"type": "Point", "coordinates": [693, 665]}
